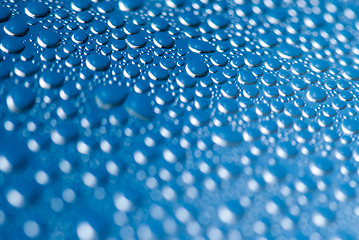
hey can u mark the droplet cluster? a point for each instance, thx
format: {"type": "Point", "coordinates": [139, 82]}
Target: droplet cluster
{"type": "Point", "coordinates": [179, 119]}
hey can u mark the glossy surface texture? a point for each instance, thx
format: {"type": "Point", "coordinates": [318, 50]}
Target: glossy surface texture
{"type": "Point", "coordinates": [179, 119]}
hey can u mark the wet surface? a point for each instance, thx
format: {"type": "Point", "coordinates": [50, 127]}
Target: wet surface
{"type": "Point", "coordinates": [179, 119]}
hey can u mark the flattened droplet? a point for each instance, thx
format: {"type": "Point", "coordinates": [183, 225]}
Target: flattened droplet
{"type": "Point", "coordinates": [49, 39]}
{"type": "Point", "coordinates": [314, 20]}
{"type": "Point", "coordinates": [246, 78]}
{"type": "Point", "coordinates": [97, 62]}
{"type": "Point", "coordinates": [189, 19]}
{"type": "Point", "coordinates": [116, 20]}
{"type": "Point", "coordinates": [16, 27]}
{"type": "Point", "coordinates": [163, 40]}
{"type": "Point", "coordinates": [275, 173]}
{"type": "Point", "coordinates": [158, 73]}
{"type": "Point", "coordinates": [200, 117]}
{"type": "Point", "coordinates": [37, 9]}
{"type": "Point", "coordinates": [131, 71]}
{"type": "Point", "coordinates": [316, 94]}
{"type": "Point", "coordinates": [12, 45]}
{"type": "Point", "coordinates": [184, 80]}
{"type": "Point", "coordinates": [196, 67]}
{"type": "Point", "coordinates": [136, 40]}
{"type": "Point", "coordinates": [268, 40]}
{"type": "Point", "coordinates": [286, 150]}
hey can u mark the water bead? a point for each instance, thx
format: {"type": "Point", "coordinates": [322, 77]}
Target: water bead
{"type": "Point", "coordinates": [20, 99]}
{"type": "Point", "coordinates": [80, 5]}
{"type": "Point", "coordinates": [274, 173]}
{"type": "Point", "coordinates": [64, 133]}
{"type": "Point", "coordinates": [184, 80]}
{"type": "Point", "coordinates": [139, 105]}
{"type": "Point", "coordinates": [163, 40]}
{"type": "Point", "coordinates": [12, 45]}
{"type": "Point", "coordinates": [25, 69]}
{"type": "Point", "coordinates": [167, 64]}
{"type": "Point", "coordinates": [136, 41]}
{"type": "Point", "coordinates": [189, 19]}
{"type": "Point", "coordinates": [131, 71]}
{"type": "Point", "coordinates": [316, 94]}
{"type": "Point", "coordinates": [79, 36]}
{"type": "Point", "coordinates": [320, 166]}
{"type": "Point", "coordinates": [229, 90]}
{"type": "Point", "coordinates": [199, 46]}
{"type": "Point", "coordinates": [110, 96]}
{"type": "Point", "coordinates": [196, 67]}
{"type": "Point", "coordinates": [5, 14]}
{"type": "Point", "coordinates": [116, 20]}
{"type": "Point", "coordinates": [351, 73]}
{"type": "Point", "coordinates": [319, 65]}
{"type": "Point", "coordinates": [48, 39]}
{"type": "Point", "coordinates": [225, 136]}
{"type": "Point", "coordinates": [97, 62]}
{"type": "Point", "coordinates": [268, 40]}
{"type": "Point", "coordinates": [288, 51]}
{"type": "Point", "coordinates": [159, 24]}
{"type": "Point", "coordinates": [37, 10]}
{"type": "Point", "coordinates": [98, 27]}
{"type": "Point", "coordinates": [247, 78]}
{"type": "Point", "coordinates": [50, 79]}
{"type": "Point", "coordinates": [217, 21]}
{"type": "Point", "coordinates": [350, 126]}
{"type": "Point", "coordinates": [16, 27]}
{"type": "Point", "coordinates": [175, 3]}
{"type": "Point", "coordinates": [219, 59]}
{"type": "Point", "coordinates": [129, 5]}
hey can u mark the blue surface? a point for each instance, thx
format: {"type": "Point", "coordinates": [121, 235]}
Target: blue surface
{"type": "Point", "coordinates": [179, 119]}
